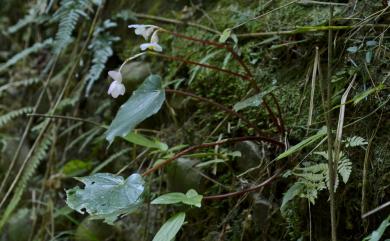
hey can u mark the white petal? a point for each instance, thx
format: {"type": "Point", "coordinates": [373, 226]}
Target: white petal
{"type": "Point", "coordinates": [145, 46]}
{"type": "Point", "coordinates": [115, 75]}
{"type": "Point", "coordinates": [152, 46]}
{"type": "Point", "coordinates": [116, 88]}
{"type": "Point", "coordinates": [154, 38]}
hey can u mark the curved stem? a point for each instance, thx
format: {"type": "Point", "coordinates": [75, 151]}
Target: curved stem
{"type": "Point", "coordinates": [130, 59]}
{"type": "Point", "coordinates": [206, 145]}
{"type": "Point", "coordinates": [242, 192]}
{"type": "Point", "coordinates": [218, 105]}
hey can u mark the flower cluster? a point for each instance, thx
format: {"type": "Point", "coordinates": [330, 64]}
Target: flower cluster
{"type": "Point", "coordinates": [146, 31]}
{"type": "Point", "coordinates": [117, 88]}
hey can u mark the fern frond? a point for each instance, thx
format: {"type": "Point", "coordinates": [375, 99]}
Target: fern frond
{"type": "Point", "coordinates": [24, 53]}
{"type": "Point", "coordinates": [355, 141]}
{"type": "Point", "coordinates": [4, 119]}
{"type": "Point", "coordinates": [39, 154]}
{"type": "Point", "coordinates": [344, 168]}
{"type": "Point", "coordinates": [22, 83]}
{"type": "Point", "coordinates": [101, 47]}
{"type": "Point", "coordinates": [68, 15]}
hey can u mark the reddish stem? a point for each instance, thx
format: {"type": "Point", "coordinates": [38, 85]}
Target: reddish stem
{"type": "Point", "coordinates": [218, 105]}
{"type": "Point", "coordinates": [242, 192]}
{"type": "Point", "coordinates": [206, 145]}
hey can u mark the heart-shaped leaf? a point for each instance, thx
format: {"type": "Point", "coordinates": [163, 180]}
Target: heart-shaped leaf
{"type": "Point", "coordinates": [106, 196]}
{"type": "Point", "coordinates": [145, 101]}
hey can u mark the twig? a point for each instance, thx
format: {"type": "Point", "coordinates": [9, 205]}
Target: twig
{"type": "Point", "coordinates": [178, 22]}
{"type": "Point", "coordinates": [176, 58]}
{"type": "Point", "coordinates": [206, 145]}
{"type": "Point", "coordinates": [218, 105]}
{"type": "Point", "coordinates": [65, 118]}
{"type": "Point", "coordinates": [376, 209]}
{"type": "Point", "coordinates": [242, 192]}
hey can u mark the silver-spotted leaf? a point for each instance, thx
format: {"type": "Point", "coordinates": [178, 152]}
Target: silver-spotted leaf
{"type": "Point", "coordinates": [106, 196]}
{"type": "Point", "coordinates": [145, 101]}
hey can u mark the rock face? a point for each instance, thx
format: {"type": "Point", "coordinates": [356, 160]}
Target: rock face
{"type": "Point", "coordinates": [252, 155]}
{"type": "Point", "coordinates": [182, 176]}
{"type": "Point", "coordinates": [135, 72]}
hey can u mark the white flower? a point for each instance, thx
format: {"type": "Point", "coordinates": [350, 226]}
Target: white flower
{"type": "Point", "coordinates": [144, 30]}
{"type": "Point", "coordinates": [116, 87]}
{"type": "Point", "coordinates": [151, 46]}
{"type": "Point", "coordinates": [154, 38]}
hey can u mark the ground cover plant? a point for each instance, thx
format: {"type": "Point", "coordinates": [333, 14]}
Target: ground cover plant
{"type": "Point", "coordinates": [194, 120]}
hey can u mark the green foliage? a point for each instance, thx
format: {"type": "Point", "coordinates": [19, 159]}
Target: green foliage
{"type": "Point", "coordinates": [101, 47]}
{"type": "Point", "coordinates": [24, 53]}
{"type": "Point", "coordinates": [190, 198]}
{"type": "Point", "coordinates": [106, 196]}
{"type": "Point", "coordinates": [4, 119]}
{"type": "Point", "coordinates": [39, 154]}
{"type": "Point", "coordinates": [377, 234]}
{"type": "Point", "coordinates": [355, 141]}
{"type": "Point", "coordinates": [359, 97]}
{"type": "Point", "coordinates": [170, 228]}
{"type": "Point", "coordinates": [141, 140]}
{"type": "Point", "coordinates": [253, 101]}
{"type": "Point", "coordinates": [68, 16]}
{"type": "Point", "coordinates": [145, 101]}
{"type": "Point", "coordinates": [320, 134]}
{"type": "Point", "coordinates": [76, 167]}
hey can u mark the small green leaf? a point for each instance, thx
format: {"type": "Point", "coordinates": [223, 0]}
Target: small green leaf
{"type": "Point", "coordinates": [106, 196]}
{"type": "Point", "coordinates": [253, 101]}
{"type": "Point", "coordinates": [141, 140]}
{"type": "Point", "coordinates": [352, 49]}
{"type": "Point", "coordinates": [190, 198]}
{"type": "Point", "coordinates": [371, 43]}
{"type": "Point", "coordinates": [366, 93]}
{"type": "Point", "coordinates": [321, 133]}
{"type": "Point", "coordinates": [76, 167]}
{"type": "Point", "coordinates": [369, 56]}
{"type": "Point", "coordinates": [292, 192]}
{"type": "Point", "coordinates": [377, 234]}
{"type": "Point", "coordinates": [170, 228]}
{"type": "Point", "coordinates": [193, 198]}
{"type": "Point", "coordinates": [225, 35]}
{"type": "Point", "coordinates": [145, 101]}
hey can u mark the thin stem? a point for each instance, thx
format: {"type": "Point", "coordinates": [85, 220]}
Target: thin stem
{"type": "Point", "coordinates": [175, 58]}
{"type": "Point", "coordinates": [242, 192]}
{"type": "Point", "coordinates": [175, 21]}
{"type": "Point", "coordinates": [66, 118]}
{"type": "Point", "coordinates": [206, 145]}
{"type": "Point", "coordinates": [219, 106]}
{"type": "Point", "coordinates": [130, 59]}
{"type": "Point", "coordinates": [331, 164]}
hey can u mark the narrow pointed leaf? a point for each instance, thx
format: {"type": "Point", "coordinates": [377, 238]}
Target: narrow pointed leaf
{"type": "Point", "coordinates": [170, 228]}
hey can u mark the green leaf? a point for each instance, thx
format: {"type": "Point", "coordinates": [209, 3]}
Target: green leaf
{"type": "Point", "coordinates": [106, 196]}
{"type": "Point", "coordinates": [377, 234]}
{"type": "Point", "coordinates": [366, 93]}
{"type": "Point", "coordinates": [369, 55]}
{"type": "Point", "coordinates": [292, 192]}
{"type": "Point", "coordinates": [253, 101]}
{"type": "Point", "coordinates": [76, 167]}
{"type": "Point", "coordinates": [170, 228]}
{"type": "Point", "coordinates": [352, 49]}
{"type": "Point", "coordinates": [225, 35]}
{"type": "Point", "coordinates": [141, 140]}
{"type": "Point", "coordinates": [145, 101]}
{"type": "Point", "coordinates": [355, 141]}
{"type": "Point", "coordinates": [190, 198]}
{"type": "Point", "coordinates": [321, 133]}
